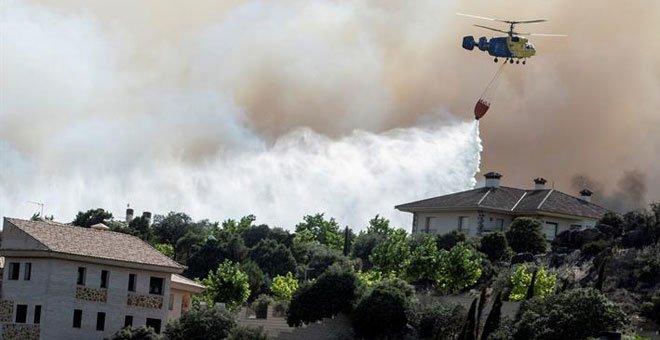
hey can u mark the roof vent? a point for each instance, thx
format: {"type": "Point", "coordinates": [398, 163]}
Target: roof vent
{"type": "Point", "coordinates": [585, 195]}
{"type": "Point", "coordinates": [539, 183]}
{"type": "Point", "coordinates": [492, 179]}
{"type": "Point", "coordinates": [100, 227]}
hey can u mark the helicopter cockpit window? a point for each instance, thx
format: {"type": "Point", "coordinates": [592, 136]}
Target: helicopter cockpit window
{"type": "Point", "coordinates": [515, 39]}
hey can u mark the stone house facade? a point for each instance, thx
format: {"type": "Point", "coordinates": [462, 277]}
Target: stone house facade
{"type": "Point", "coordinates": [67, 282]}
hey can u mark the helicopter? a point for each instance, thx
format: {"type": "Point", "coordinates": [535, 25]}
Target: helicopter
{"type": "Point", "coordinates": [513, 47]}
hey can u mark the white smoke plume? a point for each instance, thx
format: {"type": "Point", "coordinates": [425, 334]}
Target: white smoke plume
{"type": "Point", "coordinates": [213, 122]}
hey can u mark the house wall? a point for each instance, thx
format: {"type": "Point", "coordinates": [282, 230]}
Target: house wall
{"type": "Point", "coordinates": [53, 286]}
{"type": "Point", "coordinates": [181, 301]}
{"type": "Point", "coordinates": [563, 224]}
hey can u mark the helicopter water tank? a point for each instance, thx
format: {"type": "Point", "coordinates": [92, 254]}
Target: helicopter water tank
{"type": "Point", "coordinates": [481, 108]}
{"type": "Point", "coordinates": [468, 42]}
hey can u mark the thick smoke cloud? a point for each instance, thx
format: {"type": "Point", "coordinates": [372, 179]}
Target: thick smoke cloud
{"type": "Point", "coordinates": [630, 193]}
{"type": "Point", "coordinates": [120, 95]}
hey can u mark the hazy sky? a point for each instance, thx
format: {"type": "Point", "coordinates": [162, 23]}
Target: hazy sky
{"type": "Point", "coordinates": [155, 103]}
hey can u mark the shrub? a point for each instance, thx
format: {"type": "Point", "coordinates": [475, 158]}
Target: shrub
{"type": "Point", "coordinates": [526, 235]}
{"type": "Point", "coordinates": [384, 311]}
{"type": "Point", "coordinates": [227, 284]}
{"type": "Point", "coordinates": [204, 323]}
{"type": "Point", "coordinates": [333, 292]}
{"type": "Point", "coordinates": [458, 268]}
{"type": "Point", "coordinates": [449, 240]}
{"type": "Point", "coordinates": [611, 224]}
{"type": "Point", "coordinates": [284, 286]}
{"type": "Point", "coordinates": [651, 309]}
{"type": "Point", "coordinates": [280, 308]}
{"type": "Point", "coordinates": [260, 306]}
{"type": "Point", "coordinates": [495, 246]}
{"type": "Point", "coordinates": [521, 278]}
{"type": "Point", "coordinates": [594, 248]}
{"type": "Point", "coordinates": [574, 314]}
{"type": "Point", "coordinates": [248, 333]}
{"type": "Point", "coordinates": [439, 320]}
{"type": "Point", "coordinates": [136, 333]}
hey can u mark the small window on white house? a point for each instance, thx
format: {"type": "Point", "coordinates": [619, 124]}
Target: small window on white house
{"type": "Point", "coordinates": [21, 313]}
{"type": "Point", "coordinates": [550, 229]}
{"type": "Point", "coordinates": [14, 270]}
{"type": "Point", "coordinates": [105, 277]}
{"type": "Point", "coordinates": [27, 272]}
{"type": "Point", "coordinates": [428, 225]}
{"type": "Point", "coordinates": [463, 223]}
{"type": "Point", "coordinates": [132, 278]}
{"type": "Point", "coordinates": [156, 285]}
{"type": "Point", "coordinates": [500, 224]}
{"type": "Point", "coordinates": [171, 302]}
{"type": "Point", "coordinates": [81, 275]}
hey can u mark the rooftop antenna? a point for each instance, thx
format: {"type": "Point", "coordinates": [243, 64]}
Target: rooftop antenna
{"type": "Point", "coordinates": [41, 205]}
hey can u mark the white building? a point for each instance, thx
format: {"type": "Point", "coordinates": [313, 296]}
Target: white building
{"type": "Point", "coordinates": [66, 282]}
{"type": "Point", "coordinates": [493, 208]}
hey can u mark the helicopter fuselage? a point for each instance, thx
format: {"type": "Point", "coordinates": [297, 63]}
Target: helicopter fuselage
{"type": "Point", "coordinates": [511, 47]}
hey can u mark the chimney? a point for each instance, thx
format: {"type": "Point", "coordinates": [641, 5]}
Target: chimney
{"type": "Point", "coordinates": [539, 183]}
{"type": "Point", "coordinates": [147, 215]}
{"type": "Point", "coordinates": [100, 227]}
{"type": "Point", "coordinates": [492, 179]}
{"type": "Point", "coordinates": [129, 215]}
{"type": "Point", "coordinates": [585, 195]}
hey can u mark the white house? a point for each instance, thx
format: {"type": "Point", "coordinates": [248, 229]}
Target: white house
{"type": "Point", "coordinates": [493, 208]}
{"type": "Point", "coordinates": [67, 282]}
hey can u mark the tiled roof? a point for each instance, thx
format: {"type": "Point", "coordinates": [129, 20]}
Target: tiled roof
{"type": "Point", "coordinates": [511, 200]}
{"type": "Point", "coordinates": [109, 245]}
{"type": "Point", "coordinates": [176, 278]}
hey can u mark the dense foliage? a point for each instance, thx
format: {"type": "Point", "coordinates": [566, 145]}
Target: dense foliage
{"type": "Point", "coordinates": [383, 311]}
{"type": "Point", "coordinates": [574, 314]}
{"type": "Point", "coordinates": [495, 246]}
{"type": "Point", "coordinates": [525, 235]}
{"type": "Point", "coordinates": [136, 333]}
{"type": "Point", "coordinates": [544, 282]}
{"type": "Point", "coordinates": [284, 286]}
{"type": "Point", "coordinates": [227, 284]}
{"type": "Point", "coordinates": [213, 323]}
{"type": "Point", "coordinates": [459, 268]}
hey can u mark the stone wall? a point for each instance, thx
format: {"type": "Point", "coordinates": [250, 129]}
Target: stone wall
{"type": "Point", "coordinates": [6, 310]}
{"type": "Point", "coordinates": [13, 331]}
{"type": "Point", "coordinates": [145, 301]}
{"type": "Point", "coordinates": [92, 294]}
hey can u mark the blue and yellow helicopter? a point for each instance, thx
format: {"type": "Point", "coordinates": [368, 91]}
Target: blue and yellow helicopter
{"type": "Point", "coordinates": [512, 47]}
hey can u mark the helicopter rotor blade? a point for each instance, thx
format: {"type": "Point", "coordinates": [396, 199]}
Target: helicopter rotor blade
{"type": "Point", "coordinates": [515, 22]}
{"type": "Point", "coordinates": [543, 34]}
{"type": "Point", "coordinates": [477, 17]}
{"type": "Point", "coordinates": [527, 21]}
{"type": "Point", "coordinates": [492, 29]}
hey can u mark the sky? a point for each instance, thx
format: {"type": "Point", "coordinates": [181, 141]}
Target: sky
{"type": "Point", "coordinates": [286, 108]}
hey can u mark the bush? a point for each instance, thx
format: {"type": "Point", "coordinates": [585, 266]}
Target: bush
{"type": "Point", "coordinates": [438, 320]}
{"type": "Point", "coordinates": [280, 308]}
{"type": "Point", "coordinates": [227, 284]}
{"type": "Point", "coordinates": [574, 314]}
{"type": "Point", "coordinates": [651, 309]}
{"type": "Point", "coordinates": [204, 323]}
{"type": "Point", "coordinates": [459, 268]}
{"type": "Point", "coordinates": [136, 333]}
{"type": "Point", "coordinates": [260, 306]}
{"type": "Point", "coordinates": [611, 224]}
{"type": "Point", "coordinates": [495, 246]}
{"type": "Point", "coordinates": [449, 240]}
{"type": "Point", "coordinates": [384, 311]}
{"type": "Point", "coordinates": [594, 248]}
{"type": "Point", "coordinates": [248, 333]}
{"type": "Point", "coordinates": [521, 278]}
{"type": "Point", "coordinates": [333, 292]}
{"type": "Point", "coordinates": [284, 286]}
{"type": "Point", "coordinates": [526, 236]}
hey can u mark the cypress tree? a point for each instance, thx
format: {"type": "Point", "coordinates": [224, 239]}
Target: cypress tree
{"type": "Point", "coordinates": [530, 289]}
{"type": "Point", "coordinates": [493, 319]}
{"type": "Point", "coordinates": [470, 323]}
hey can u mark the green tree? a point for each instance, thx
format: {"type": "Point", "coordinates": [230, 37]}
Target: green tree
{"type": "Point", "coordinates": [212, 323]}
{"type": "Point", "coordinates": [367, 240]}
{"type": "Point", "coordinates": [283, 287]}
{"type": "Point", "coordinates": [136, 333]}
{"type": "Point", "coordinates": [227, 284]}
{"type": "Point", "coordinates": [424, 260]}
{"type": "Point", "coordinates": [573, 314]}
{"type": "Point", "coordinates": [526, 235]}
{"type": "Point", "coordinates": [544, 284]}
{"type": "Point", "coordinates": [248, 333]}
{"type": "Point", "coordinates": [449, 240]}
{"type": "Point", "coordinates": [323, 231]}
{"type": "Point", "coordinates": [91, 217]}
{"type": "Point", "coordinates": [256, 278]}
{"type": "Point", "coordinates": [214, 250]}
{"type": "Point", "coordinates": [335, 291]}
{"type": "Point", "coordinates": [273, 257]}
{"type": "Point", "coordinates": [140, 227]}
{"type": "Point", "coordinates": [384, 312]}
{"type": "Point", "coordinates": [165, 249]}
{"type": "Point", "coordinates": [459, 268]}
{"type": "Point", "coordinates": [495, 246]}
{"type": "Point", "coordinates": [252, 235]}
{"type": "Point", "coordinates": [393, 254]}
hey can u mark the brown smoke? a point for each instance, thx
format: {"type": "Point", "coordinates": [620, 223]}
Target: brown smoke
{"type": "Point", "coordinates": [589, 103]}
{"type": "Point", "coordinates": [630, 192]}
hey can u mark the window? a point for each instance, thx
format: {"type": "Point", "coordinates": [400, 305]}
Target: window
{"type": "Point", "coordinates": [462, 223]}
{"type": "Point", "coordinates": [100, 321]}
{"type": "Point", "coordinates": [37, 315]}
{"type": "Point", "coordinates": [77, 318]}
{"type": "Point", "coordinates": [27, 272]}
{"type": "Point", "coordinates": [156, 285]}
{"type": "Point", "coordinates": [428, 224]}
{"type": "Point", "coordinates": [14, 269]}
{"type": "Point", "coordinates": [128, 321]}
{"type": "Point", "coordinates": [105, 276]}
{"type": "Point", "coordinates": [21, 313]}
{"type": "Point", "coordinates": [171, 302]}
{"type": "Point", "coordinates": [550, 230]}
{"type": "Point", "coordinates": [131, 282]}
{"type": "Point", "coordinates": [81, 275]}
{"type": "Point", "coordinates": [500, 224]}
{"type": "Point", "coordinates": [154, 323]}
